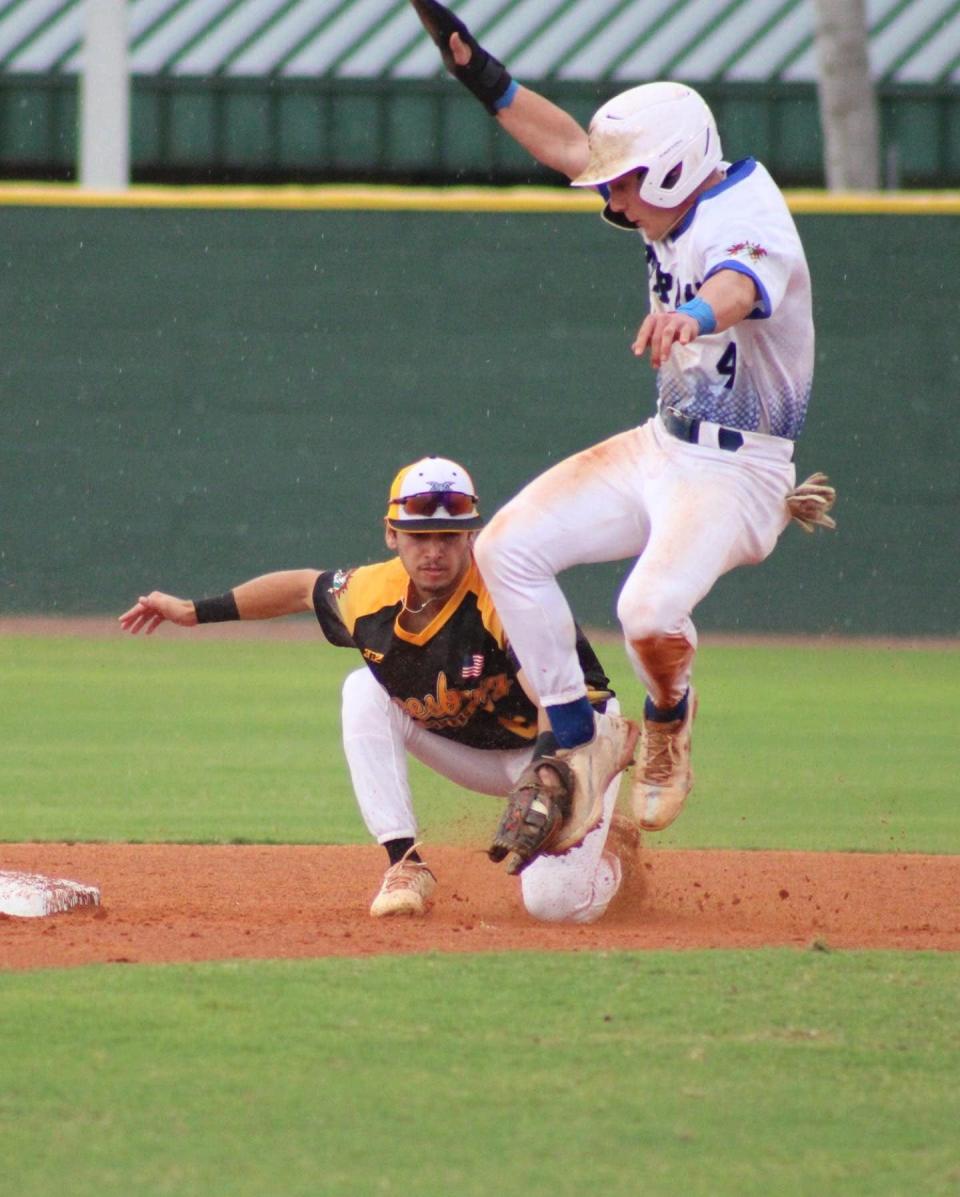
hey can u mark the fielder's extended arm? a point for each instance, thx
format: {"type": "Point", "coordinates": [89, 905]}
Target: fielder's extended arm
{"type": "Point", "coordinates": [551, 135]}
{"type": "Point", "coordinates": [286, 592]}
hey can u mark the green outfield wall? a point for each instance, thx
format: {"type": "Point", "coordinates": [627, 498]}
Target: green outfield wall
{"type": "Point", "coordinates": [191, 396]}
{"type": "Point", "coordinates": [226, 129]}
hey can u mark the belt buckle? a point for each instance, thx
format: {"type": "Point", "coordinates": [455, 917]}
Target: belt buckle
{"type": "Point", "coordinates": [683, 427]}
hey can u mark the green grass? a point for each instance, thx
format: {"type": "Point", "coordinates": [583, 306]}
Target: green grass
{"type": "Point", "coordinates": [705, 1074]}
{"type": "Point", "coordinates": [740, 1073]}
{"type": "Point", "coordinates": [181, 739]}
{"type": "Point", "coordinates": [839, 748]}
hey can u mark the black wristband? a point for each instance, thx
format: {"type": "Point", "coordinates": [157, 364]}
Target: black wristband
{"type": "Point", "coordinates": [220, 609]}
{"type": "Point", "coordinates": [484, 75]}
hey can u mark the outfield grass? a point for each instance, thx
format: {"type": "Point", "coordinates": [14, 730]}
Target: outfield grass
{"type": "Point", "coordinates": [182, 740]}
{"type": "Point", "coordinates": [730, 1073]}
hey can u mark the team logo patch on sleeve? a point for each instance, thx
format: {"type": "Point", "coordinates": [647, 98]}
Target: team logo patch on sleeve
{"type": "Point", "coordinates": [472, 666]}
{"type": "Point", "coordinates": [748, 249]}
{"type": "Point", "coordinates": [341, 580]}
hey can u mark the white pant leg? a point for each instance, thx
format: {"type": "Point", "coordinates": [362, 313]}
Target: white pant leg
{"type": "Point", "coordinates": [576, 887]}
{"type": "Point", "coordinates": [710, 511]}
{"type": "Point", "coordinates": [586, 509]}
{"type": "Point", "coordinates": [688, 512]}
{"type": "Point", "coordinates": [377, 759]}
{"type": "Point", "coordinates": [377, 735]}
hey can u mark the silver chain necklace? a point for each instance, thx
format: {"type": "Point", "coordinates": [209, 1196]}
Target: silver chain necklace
{"type": "Point", "coordinates": [423, 606]}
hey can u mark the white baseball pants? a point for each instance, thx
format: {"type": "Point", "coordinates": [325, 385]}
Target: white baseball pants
{"type": "Point", "coordinates": [377, 735]}
{"type": "Point", "coordinates": [688, 513]}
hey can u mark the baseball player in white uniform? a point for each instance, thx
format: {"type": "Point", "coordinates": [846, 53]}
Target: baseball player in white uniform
{"type": "Point", "coordinates": [708, 482]}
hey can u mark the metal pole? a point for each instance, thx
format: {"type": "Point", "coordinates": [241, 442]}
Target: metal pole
{"type": "Point", "coordinates": [105, 99]}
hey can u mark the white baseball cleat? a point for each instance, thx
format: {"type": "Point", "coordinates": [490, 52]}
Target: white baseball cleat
{"type": "Point", "coordinates": [594, 765]}
{"type": "Point", "coordinates": [663, 777]}
{"type": "Point", "coordinates": [407, 889]}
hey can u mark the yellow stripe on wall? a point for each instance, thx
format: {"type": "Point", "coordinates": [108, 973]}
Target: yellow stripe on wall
{"type": "Point", "coordinates": [433, 199]}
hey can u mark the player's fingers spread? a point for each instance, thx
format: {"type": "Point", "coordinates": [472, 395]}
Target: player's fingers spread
{"type": "Point", "coordinates": [659, 347]}
{"type": "Point", "coordinates": [651, 345]}
{"type": "Point", "coordinates": [642, 339]}
{"type": "Point", "coordinates": [673, 333]}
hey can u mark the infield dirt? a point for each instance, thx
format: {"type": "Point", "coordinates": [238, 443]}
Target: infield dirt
{"type": "Point", "coordinates": [171, 902]}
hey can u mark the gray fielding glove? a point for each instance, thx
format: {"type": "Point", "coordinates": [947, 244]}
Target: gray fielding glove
{"type": "Point", "coordinates": [534, 814]}
{"type": "Point", "coordinates": [483, 75]}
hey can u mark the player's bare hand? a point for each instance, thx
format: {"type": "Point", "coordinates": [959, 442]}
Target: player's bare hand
{"type": "Point", "coordinates": [460, 50]}
{"type": "Point", "coordinates": [660, 331]}
{"type": "Point", "coordinates": [151, 610]}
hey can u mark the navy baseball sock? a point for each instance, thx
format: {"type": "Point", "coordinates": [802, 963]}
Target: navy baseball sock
{"type": "Point", "coordinates": [572, 722]}
{"type": "Point", "coordinates": [398, 849]}
{"type": "Point", "coordinates": [670, 715]}
{"type": "Point", "coordinates": [546, 745]}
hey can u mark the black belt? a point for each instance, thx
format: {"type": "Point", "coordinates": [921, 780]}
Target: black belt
{"type": "Point", "coordinates": [687, 428]}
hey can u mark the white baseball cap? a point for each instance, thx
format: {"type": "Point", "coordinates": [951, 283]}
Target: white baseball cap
{"type": "Point", "coordinates": [434, 494]}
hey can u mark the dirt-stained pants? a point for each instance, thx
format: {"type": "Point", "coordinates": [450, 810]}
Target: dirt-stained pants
{"type": "Point", "coordinates": [687, 513]}
{"type": "Point", "coordinates": [378, 735]}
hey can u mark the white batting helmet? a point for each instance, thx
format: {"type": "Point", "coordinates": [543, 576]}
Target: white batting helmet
{"type": "Point", "coordinates": [665, 128]}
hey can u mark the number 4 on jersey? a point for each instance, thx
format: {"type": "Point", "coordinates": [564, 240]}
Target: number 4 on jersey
{"type": "Point", "coordinates": [727, 364]}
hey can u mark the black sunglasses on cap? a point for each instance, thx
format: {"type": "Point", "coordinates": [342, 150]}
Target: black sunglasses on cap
{"type": "Point", "coordinates": [452, 501]}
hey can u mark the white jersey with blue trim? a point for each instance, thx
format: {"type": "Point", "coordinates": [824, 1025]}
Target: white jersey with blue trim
{"type": "Point", "coordinates": [758, 374]}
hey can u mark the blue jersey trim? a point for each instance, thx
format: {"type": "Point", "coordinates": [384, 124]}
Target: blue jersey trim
{"type": "Point", "coordinates": [766, 308]}
{"type": "Point", "coordinates": [736, 174]}
{"type": "Point", "coordinates": [739, 171]}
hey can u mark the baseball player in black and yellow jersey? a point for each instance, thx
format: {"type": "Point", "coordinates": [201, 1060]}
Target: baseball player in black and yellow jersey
{"type": "Point", "coordinates": [440, 683]}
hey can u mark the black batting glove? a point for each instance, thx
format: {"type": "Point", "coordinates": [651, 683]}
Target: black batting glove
{"type": "Point", "coordinates": [483, 75]}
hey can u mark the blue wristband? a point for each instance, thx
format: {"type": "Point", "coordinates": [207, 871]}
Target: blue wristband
{"type": "Point", "coordinates": [507, 98]}
{"type": "Point", "coordinates": [702, 312]}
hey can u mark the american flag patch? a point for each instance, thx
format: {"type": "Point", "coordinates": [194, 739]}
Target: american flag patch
{"type": "Point", "coordinates": [472, 666]}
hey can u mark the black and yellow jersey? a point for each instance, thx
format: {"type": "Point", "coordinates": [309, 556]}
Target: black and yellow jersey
{"type": "Point", "coordinates": [457, 677]}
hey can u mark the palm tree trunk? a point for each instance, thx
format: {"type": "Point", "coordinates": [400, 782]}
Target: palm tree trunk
{"type": "Point", "coordinates": [848, 104]}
